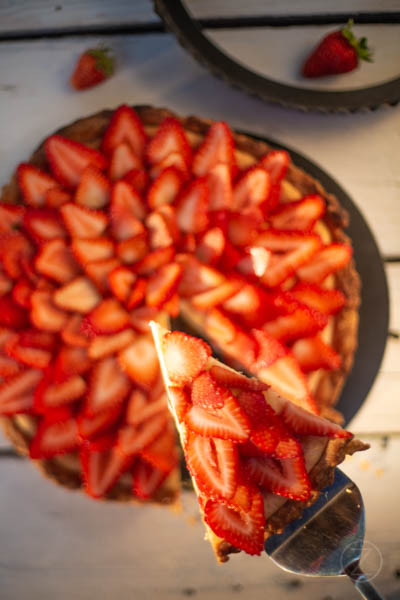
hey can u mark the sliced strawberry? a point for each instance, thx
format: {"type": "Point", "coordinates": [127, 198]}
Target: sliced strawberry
{"type": "Point", "coordinates": [126, 211]}
{"type": "Point", "coordinates": [197, 278]}
{"type": "Point", "coordinates": [134, 250]}
{"type": "Point", "coordinates": [7, 285]}
{"type": "Point", "coordinates": [300, 215]}
{"type": "Point", "coordinates": [9, 367]}
{"type": "Point", "coordinates": [160, 235]}
{"type": "Point", "coordinates": [170, 138]}
{"type": "Point", "coordinates": [54, 436]}
{"type": "Point", "coordinates": [247, 300]}
{"type": "Point", "coordinates": [175, 160]}
{"type": "Point", "coordinates": [34, 184]}
{"type": "Point", "coordinates": [254, 405]}
{"type": "Point", "coordinates": [95, 250]}
{"type": "Point", "coordinates": [44, 224]}
{"type": "Point", "coordinates": [16, 251]}
{"type": "Point", "coordinates": [137, 294]}
{"type": "Point", "coordinates": [154, 260]}
{"type": "Point", "coordinates": [287, 477]}
{"type": "Point", "coordinates": [71, 360]}
{"type": "Point", "coordinates": [219, 182]}
{"type": "Point", "coordinates": [192, 207]}
{"type": "Point", "coordinates": [231, 257]}
{"type": "Point", "coordinates": [79, 295]}
{"type": "Point", "coordinates": [211, 246]}
{"type": "Point", "coordinates": [172, 306]}
{"type": "Point", "coordinates": [141, 317]}
{"type": "Point", "coordinates": [16, 394]}
{"type": "Point", "coordinates": [73, 333]}
{"type": "Point", "coordinates": [228, 423]}
{"type": "Point", "coordinates": [184, 356]}
{"type": "Point", "coordinates": [276, 163]}
{"type": "Point", "coordinates": [188, 243]}
{"type": "Point", "coordinates": [68, 159]}
{"type": "Point", "coordinates": [163, 284]}
{"type": "Point", "coordinates": [165, 188]}
{"type": "Point", "coordinates": [328, 260]}
{"type": "Point", "coordinates": [82, 222]}
{"type": "Point", "coordinates": [180, 401]}
{"type": "Point", "coordinates": [90, 426]}
{"type": "Point", "coordinates": [141, 407]}
{"type": "Point", "coordinates": [121, 281]}
{"type": "Point", "coordinates": [12, 315]}
{"type": "Point", "coordinates": [134, 439]}
{"type": "Point", "coordinates": [94, 189]}
{"type": "Point", "coordinates": [122, 161]}
{"type": "Point", "coordinates": [302, 322]}
{"type": "Point", "coordinates": [44, 313]}
{"type": "Point", "coordinates": [55, 260]}
{"type": "Point", "coordinates": [125, 126]}
{"type": "Point", "coordinates": [219, 327]}
{"type": "Point", "coordinates": [233, 379]}
{"type": "Point", "coordinates": [242, 529]}
{"type": "Point", "coordinates": [56, 197]}
{"type": "Point", "coordinates": [207, 393]}
{"type": "Point", "coordinates": [109, 317]}
{"type": "Point", "coordinates": [255, 262]}
{"type": "Point", "coordinates": [163, 453]}
{"type": "Point", "coordinates": [242, 349]}
{"type": "Point", "coordinates": [101, 468]}
{"type": "Point", "coordinates": [216, 296]}
{"type": "Point", "coordinates": [213, 463]}
{"type": "Point", "coordinates": [108, 386]}
{"type": "Point", "coordinates": [28, 354]}
{"type": "Point", "coordinates": [252, 189]}
{"type": "Point", "coordinates": [140, 362]}
{"type": "Point", "coordinates": [138, 179]}
{"type": "Point", "coordinates": [243, 228]}
{"type": "Point", "coordinates": [328, 302]}
{"type": "Point", "coordinates": [11, 217]}
{"type": "Point", "coordinates": [52, 395]}
{"type": "Point", "coordinates": [147, 479]}
{"type": "Point", "coordinates": [104, 345]}
{"type": "Point", "coordinates": [290, 251]}
{"type": "Point", "coordinates": [217, 147]}
{"type": "Point", "coordinates": [304, 423]}
{"type": "Point", "coordinates": [313, 353]}
{"type": "Point", "coordinates": [99, 272]}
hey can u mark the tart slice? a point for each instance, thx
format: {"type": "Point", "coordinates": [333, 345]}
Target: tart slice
{"type": "Point", "coordinates": [256, 459]}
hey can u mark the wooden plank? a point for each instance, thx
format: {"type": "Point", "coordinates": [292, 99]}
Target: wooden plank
{"type": "Point", "coordinates": [68, 546]}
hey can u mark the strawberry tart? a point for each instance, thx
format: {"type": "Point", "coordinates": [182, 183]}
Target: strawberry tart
{"type": "Point", "coordinates": [134, 215]}
{"type": "Point", "coordinates": [256, 459]}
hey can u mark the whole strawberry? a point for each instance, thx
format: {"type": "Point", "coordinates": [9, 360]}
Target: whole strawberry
{"type": "Point", "coordinates": [93, 66]}
{"type": "Point", "coordinates": [338, 52]}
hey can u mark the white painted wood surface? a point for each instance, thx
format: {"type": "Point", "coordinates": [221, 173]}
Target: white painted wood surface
{"type": "Point", "coordinates": [56, 543]}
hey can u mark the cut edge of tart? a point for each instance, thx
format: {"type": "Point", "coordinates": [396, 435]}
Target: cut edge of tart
{"type": "Point", "coordinates": [90, 131]}
{"type": "Point", "coordinates": [256, 460]}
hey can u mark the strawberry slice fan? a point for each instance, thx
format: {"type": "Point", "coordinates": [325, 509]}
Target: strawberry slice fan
{"type": "Point", "coordinates": [132, 215]}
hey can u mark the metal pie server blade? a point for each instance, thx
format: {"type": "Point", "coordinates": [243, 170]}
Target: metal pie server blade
{"type": "Point", "coordinates": [327, 540]}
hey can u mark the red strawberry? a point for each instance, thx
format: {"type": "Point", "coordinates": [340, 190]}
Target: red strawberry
{"type": "Point", "coordinates": [16, 394]}
{"type": "Point", "coordinates": [154, 260]}
{"type": "Point", "coordinates": [146, 478]}
{"type": "Point", "coordinates": [108, 317]}
{"type": "Point", "coordinates": [313, 353]}
{"type": "Point", "coordinates": [219, 327]}
{"type": "Point", "coordinates": [338, 52]}
{"type": "Point", "coordinates": [328, 260]}
{"type": "Point", "coordinates": [16, 252]}
{"type": "Point", "coordinates": [172, 160]}
{"type": "Point", "coordinates": [197, 278]}
{"type": "Point", "coordinates": [233, 379]}
{"type": "Point", "coordinates": [213, 463]}
{"type": "Point", "coordinates": [276, 163]}
{"type": "Point", "coordinates": [108, 386]}
{"type": "Point", "coordinates": [122, 280]}
{"type": "Point", "coordinates": [99, 270]}
{"type": "Point", "coordinates": [179, 400]}
{"type": "Point", "coordinates": [219, 182]}
{"type": "Point", "coordinates": [191, 212]}
{"type": "Point", "coordinates": [138, 179]}
{"type": "Point", "coordinates": [126, 211]}
{"type": "Point", "coordinates": [290, 251]}
{"type": "Point", "coordinates": [44, 313]}
{"type": "Point", "coordinates": [229, 422]}
{"type": "Point", "coordinates": [9, 368]}
{"type": "Point", "coordinates": [170, 138]}
{"type": "Point", "coordinates": [122, 161]}
{"type": "Point", "coordinates": [142, 407]}
{"type": "Point", "coordinates": [141, 317]}
{"type": "Point", "coordinates": [134, 439]}
{"type": "Point", "coordinates": [101, 467]}
{"type": "Point", "coordinates": [11, 217]}
{"type": "Point", "coordinates": [300, 215]}
{"type": "Point", "coordinates": [163, 284]}
{"type": "Point", "coordinates": [44, 224]}
{"type": "Point", "coordinates": [11, 314]}
{"type": "Point", "coordinates": [243, 228]}
{"type": "Point", "coordinates": [163, 453]}
{"type": "Point", "coordinates": [162, 229]}
{"type": "Point", "coordinates": [287, 477]}
{"type": "Point", "coordinates": [34, 184]}
{"type": "Point", "coordinates": [68, 159]}
{"type": "Point", "coordinates": [217, 147]}
{"type": "Point", "coordinates": [211, 246]}
{"type": "Point", "coordinates": [91, 426]}
{"type": "Point", "coordinates": [125, 127]}
{"type": "Point", "coordinates": [93, 191]}
{"type": "Point", "coordinates": [82, 222]}
{"type": "Point", "coordinates": [255, 261]}
{"type": "Point", "coordinates": [27, 354]}
{"type": "Point", "coordinates": [254, 405]}
{"type": "Point", "coordinates": [7, 285]}
{"type": "Point", "coordinates": [184, 356]}
{"type": "Point", "coordinates": [242, 529]}
{"type": "Point", "coordinates": [303, 423]}
{"type": "Point", "coordinates": [104, 345]}
{"type": "Point", "coordinates": [73, 333]}
{"type": "Point", "coordinates": [216, 296]}
{"type": "Point", "coordinates": [55, 435]}
{"type": "Point", "coordinates": [71, 360]}
{"type": "Point", "coordinates": [95, 250]}
{"type": "Point", "coordinates": [137, 294]}
{"type": "Point", "coordinates": [56, 197]}
{"type": "Point", "coordinates": [207, 393]}
{"type": "Point", "coordinates": [133, 250]}
{"type": "Point", "coordinates": [55, 260]}
{"type": "Point", "coordinates": [327, 302]}
{"type": "Point", "coordinates": [251, 190]}
{"type": "Point", "coordinates": [52, 395]}
{"type": "Point", "coordinates": [248, 300]}
{"type": "Point", "coordinates": [165, 188]}
{"type": "Point", "coordinates": [302, 322]}
{"type": "Point", "coordinates": [139, 360]}
{"type": "Point", "coordinates": [93, 67]}
{"type": "Point", "coordinates": [78, 295]}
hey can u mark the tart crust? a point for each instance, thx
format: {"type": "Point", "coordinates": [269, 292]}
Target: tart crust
{"type": "Point", "coordinates": [90, 131]}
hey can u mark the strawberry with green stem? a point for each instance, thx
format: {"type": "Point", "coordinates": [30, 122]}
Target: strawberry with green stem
{"type": "Point", "coordinates": [94, 66]}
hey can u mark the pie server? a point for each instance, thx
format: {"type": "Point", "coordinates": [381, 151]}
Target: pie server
{"type": "Point", "coordinates": [327, 540]}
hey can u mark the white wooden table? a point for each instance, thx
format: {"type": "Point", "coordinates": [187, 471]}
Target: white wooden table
{"type": "Point", "coordinates": [55, 543]}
